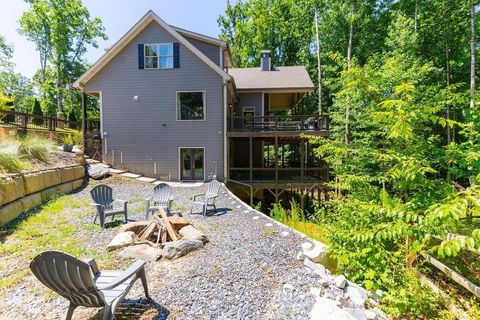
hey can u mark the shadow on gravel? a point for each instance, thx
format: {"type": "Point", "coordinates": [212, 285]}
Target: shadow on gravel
{"type": "Point", "coordinates": [142, 309]}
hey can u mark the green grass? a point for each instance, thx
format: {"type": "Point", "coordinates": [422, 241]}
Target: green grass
{"type": "Point", "coordinates": [295, 219]}
{"type": "Point", "coordinates": [48, 227]}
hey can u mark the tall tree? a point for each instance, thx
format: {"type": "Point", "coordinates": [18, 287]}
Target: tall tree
{"type": "Point", "coordinates": [473, 53]}
{"type": "Point", "coordinates": [61, 30]}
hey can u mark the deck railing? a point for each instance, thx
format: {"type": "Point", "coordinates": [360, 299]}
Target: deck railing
{"type": "Point", "coordinates": [279, 123]}
{"type": "Point", "coordinates": [26, 121]}
{"type": "Point", "coordinates": [280, 174]}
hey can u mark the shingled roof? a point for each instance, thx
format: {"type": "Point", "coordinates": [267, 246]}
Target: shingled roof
{"type": "Point", "coordinates": [285, 78]}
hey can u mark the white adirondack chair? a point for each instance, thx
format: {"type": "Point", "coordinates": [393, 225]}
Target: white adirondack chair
{"type": "Point", "coordinates": [82, 284]}
{"type": "Point", "coordinates": [162, 197]}
{"type": "Point", "coordinates": [207, 199]}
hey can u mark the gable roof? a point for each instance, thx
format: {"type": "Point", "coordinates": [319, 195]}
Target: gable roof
{"type": "Point", "coordinates": [130, 35]}
{"type": "Point", "coordinates": [199, 36]}
{"type": "Point", "coordinates": [281, 78]}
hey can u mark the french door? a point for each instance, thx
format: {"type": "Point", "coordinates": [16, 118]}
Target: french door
{"type": "Point", "coordinates": [191, 164]}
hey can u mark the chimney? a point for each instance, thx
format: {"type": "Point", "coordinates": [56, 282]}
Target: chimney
{"type": "Point", "coordinates": [266, 60]}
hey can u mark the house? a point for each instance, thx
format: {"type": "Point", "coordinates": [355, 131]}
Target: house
{"type": "Point", "coordinates": [173, 107]}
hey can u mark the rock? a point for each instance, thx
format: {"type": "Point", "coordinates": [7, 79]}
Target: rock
{"type": "Point", "coordinates": [121, 240]}
{"type": "Point", "coordinates": [288, 286]}
{"type": "Point", "coordinates": [340, 281]}
{"type": "Point", "coordinates": [325, 282]}
{"type": "Point", "coordinates": [356, 294]}
{"type": "Point", "coordinates": [371, 315]}
{"type": "Point", "coordinates": [333, 293]}
{"type": "Point", "coordinates": [269, 225]}
{"type": "Point", "coordinates": [300, 256]}
{"type": "Point", "coordinates": [142, 251]}
{"type": "Point", "coordinates": [179, 248]}
{"type": "Point", "coordinates": [10, 212]}
{"type": "Point", "coordinates": [98, 171]}
{"type": "Point", "coordinates": [316, 267]}
{"type": "Point", "coordinates": [284, 233]}
{"type": "Point", "coordinates": [190, 233]}
{"type": "Point", "coordinates": [326, 309]}
{"type": "Point", "coordinates": [318, 252]}
{"type": "Point", "coordinates": [358, 314]}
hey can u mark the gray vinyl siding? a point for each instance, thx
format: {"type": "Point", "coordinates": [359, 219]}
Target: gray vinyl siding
{"type": "Point", "coordinates": [210, 50]}
{"type": "Point", "coordinates": [139, 134]}
{"type": "Point", "coordinates": [251, 99]}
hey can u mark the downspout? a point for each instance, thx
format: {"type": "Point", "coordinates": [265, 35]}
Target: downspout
{"type": "Point", "coordinates": [225, 139]}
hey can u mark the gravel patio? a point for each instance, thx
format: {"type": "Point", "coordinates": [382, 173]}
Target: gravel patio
{"type": "Point", "coordinates": [248, 270]}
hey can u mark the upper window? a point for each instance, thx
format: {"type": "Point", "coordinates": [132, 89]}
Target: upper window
{"type": "Point", "coordinates": [191, 105]}
{"type": "Point", "coordinates": [159, 56]}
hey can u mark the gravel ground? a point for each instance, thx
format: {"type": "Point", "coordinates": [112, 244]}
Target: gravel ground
{"type": "Point", "coordinates": [248, 270]}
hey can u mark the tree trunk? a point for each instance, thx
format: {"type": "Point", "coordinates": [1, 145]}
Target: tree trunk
{"type": "Point", "coordinates": [349, 64]}
{"type": "Point", "coordinates": [473, 55]}
{"type": "Point", "coordinates": [320, 106]}
{"type": "Point", "coordinates": [350, 35]}
{"type": "Point", "coordinates": [447, 115]}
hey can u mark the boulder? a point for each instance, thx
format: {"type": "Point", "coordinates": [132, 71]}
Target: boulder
{"type": "Point", "coordinates": [121, 240]}
{"type": "Point", "coordinates": [11, 188]}
{"type": "Point", "coordinates": [340, 281]}
{"type": "Point", "coordinates": [10, 212]}
{"type": "Point", "coordinates": [358, 314]}
{"type": "Point", "coordinates": [326, 309]}
{"type": "Point", "coordinates": [333, 293]}
{"type": "Point", "coordinates": [65, 188]}
{"type": "Point", "coordinates": [78, 172]}
{"type": "Point", "coordinates": [190, 233]}
{"type": "Point", "coordinates": [33, 182]}
{"type": "Point", "coordinates": [141, 251]}
{"type": "Point", "coordinates": [179, 248]}
{"type": "Point", "coordinates": [356, 294]}
{"type": "Point", "coordinates": [318, 252]}
{"type": "Point", "coordinates": [51, 178]}
{"type": "Point", "coordinates": [67, 174]}
{"type": "Point", "coordinates": [316, 267]}
{"type": "Point", "coordinates": [98, 171]}
{"type": "Point", "coordinates": [30, 201]}
{"type": "Point", "coordinates": [77, 184]}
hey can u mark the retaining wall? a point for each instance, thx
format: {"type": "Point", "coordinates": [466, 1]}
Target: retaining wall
{"type": "Point", "coordinates": [21, 192]}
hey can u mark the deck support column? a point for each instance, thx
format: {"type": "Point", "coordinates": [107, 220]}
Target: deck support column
{"type": "Point", "coordinates": [84, 119]}
{"type": "Point", "coordinates": [250, 153]}
{"type": "Point", "coordinates": [302, 160]}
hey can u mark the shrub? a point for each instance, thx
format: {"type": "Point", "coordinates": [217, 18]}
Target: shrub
{"type": "Point", "coordinates": [9, 161]}
{"type": "Point", "coordinates": [34, 147]}
{"type": "Point", "coordinates": [37, 110]}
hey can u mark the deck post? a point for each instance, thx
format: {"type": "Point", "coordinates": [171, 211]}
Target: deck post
{"type": "Point", "coordinates": [276, 159]}
{"type": "Point", "coordinates": [302, 160]}
{"type": "Point", "coordinates": [250, 154]}
{"type": "Point", "coordinates": [84, 119]}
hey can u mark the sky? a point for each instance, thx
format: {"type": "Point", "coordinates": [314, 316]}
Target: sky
{"type": "Point", "coordinates": [118, 17]}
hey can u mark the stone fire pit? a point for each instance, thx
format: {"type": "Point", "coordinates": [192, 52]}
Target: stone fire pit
{"type": "Point", "coordinates": [162, 236]}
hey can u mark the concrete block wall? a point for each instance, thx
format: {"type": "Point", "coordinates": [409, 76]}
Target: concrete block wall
{"type": "Point", "coordinates": [21, 192]}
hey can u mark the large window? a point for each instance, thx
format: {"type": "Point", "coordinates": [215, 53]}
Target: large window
{"type": "Point", "coordinates": [191, 105]}
{"type": "Point", "coordinates": [159, 56]}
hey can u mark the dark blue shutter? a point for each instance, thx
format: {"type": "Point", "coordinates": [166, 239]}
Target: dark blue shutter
{"type": "Point", "coordinates": [176, 55]}
{"type": "Point", "coordinates": [141, 57]}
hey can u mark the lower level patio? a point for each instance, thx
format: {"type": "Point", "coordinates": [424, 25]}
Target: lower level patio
{"type": "Point", "coordinates": [248, 270]}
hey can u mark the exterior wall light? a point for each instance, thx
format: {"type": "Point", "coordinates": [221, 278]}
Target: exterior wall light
{"type": "Point", "coordinates": [136, 98]}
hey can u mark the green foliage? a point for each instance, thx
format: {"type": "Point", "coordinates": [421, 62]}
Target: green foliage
{"type": "Point", "coordinates": [68, 139]}
{"type": "Point", "coordinates": [401, 131]}
{"type": "Point", "coordinates": [61, 31]}
{"type": "Point", "coordinates": [35, 147]}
